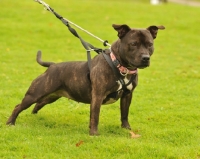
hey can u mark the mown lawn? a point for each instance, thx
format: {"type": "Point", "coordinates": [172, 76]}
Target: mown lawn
{"type": "Point", "coordinates": [165, 108]}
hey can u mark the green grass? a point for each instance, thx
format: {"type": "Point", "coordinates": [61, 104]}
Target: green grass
{"type": "Point", "coordinates": [165, 107]}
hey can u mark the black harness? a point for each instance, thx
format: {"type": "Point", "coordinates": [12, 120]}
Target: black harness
{"type": "Point", "coordinates": [113, 65]}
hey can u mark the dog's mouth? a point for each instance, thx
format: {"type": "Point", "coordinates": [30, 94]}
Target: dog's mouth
{"type": "Point", "coordinates": [142, 65]}
{"type": "Point", "coordinates": [138, 63]}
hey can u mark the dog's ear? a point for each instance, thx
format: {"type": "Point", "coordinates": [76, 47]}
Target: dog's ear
{"type": "Point", "coordinates": [154, 30]}
{"type": "Point", "coordinates": [121, 29]}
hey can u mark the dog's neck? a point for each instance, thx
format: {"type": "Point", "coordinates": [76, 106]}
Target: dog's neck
{"type": "Point", "coordinates": [123, 70]}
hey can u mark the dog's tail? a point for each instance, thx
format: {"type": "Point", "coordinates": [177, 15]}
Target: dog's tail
{"type": "Point", "coordinates": [42, 63]}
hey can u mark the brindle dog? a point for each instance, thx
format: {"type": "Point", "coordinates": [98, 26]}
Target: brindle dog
{"type": "Point", "coordinates": [71, 79]}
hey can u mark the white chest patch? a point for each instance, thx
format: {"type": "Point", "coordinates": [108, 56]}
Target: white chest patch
{"type": "Point", "coordinates": [129, 87]}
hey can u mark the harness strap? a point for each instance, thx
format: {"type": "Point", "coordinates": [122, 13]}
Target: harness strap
{"type": "Point", "coordinates": [131, 80]}
{"type": "Point", "coordinates": [115, 70]}
{"type": "Point", "coordinates": [117, 73]}
{"type": "Point", "coordinates": [89, 59]}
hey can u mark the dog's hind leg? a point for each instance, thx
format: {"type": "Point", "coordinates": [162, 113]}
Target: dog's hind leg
{"type": "Point", "coordinates": [34, 94]}
{"type": "Point", "coordinates": [26, 103]}
{"type": "Point", "coordinates": [47, 100]}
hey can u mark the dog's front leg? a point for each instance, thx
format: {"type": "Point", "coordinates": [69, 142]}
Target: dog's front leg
{"type": "Point", "coordinates": [125, 102]}
{"type": "Point", "coordinates": [94, 113]}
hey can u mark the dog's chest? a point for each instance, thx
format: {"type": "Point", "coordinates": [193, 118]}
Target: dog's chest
{"type": "Point", "coordinates": [126, 81]}
{"type": "Point", "coordinates": [113, 97]}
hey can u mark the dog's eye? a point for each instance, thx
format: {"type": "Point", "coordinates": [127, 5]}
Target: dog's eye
{"type": "Point", "coordinates": [133, 44]}
{"type": "Point", "coordinates": [149, 44]}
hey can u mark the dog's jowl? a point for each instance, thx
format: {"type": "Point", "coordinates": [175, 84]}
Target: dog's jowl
{"type": "Point", "coordinates": [112, 76]}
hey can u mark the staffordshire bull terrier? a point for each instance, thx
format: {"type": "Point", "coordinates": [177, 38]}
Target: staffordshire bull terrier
{"type": "Point", "coordinates": [112, 75]}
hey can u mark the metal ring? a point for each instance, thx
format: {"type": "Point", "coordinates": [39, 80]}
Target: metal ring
{"type": "Point", "coordinates": [124, 74]}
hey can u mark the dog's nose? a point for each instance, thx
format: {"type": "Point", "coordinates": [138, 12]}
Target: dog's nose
{"type": "Point", "coordinates": [145, 58]}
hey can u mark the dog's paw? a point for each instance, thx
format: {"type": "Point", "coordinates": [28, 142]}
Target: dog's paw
{"type": "Point", "coordinates": [93, 133]}
{"type": "Point", "coordinates": [10, 123]}
{"type": "Point", "coordinates": [126, 125]}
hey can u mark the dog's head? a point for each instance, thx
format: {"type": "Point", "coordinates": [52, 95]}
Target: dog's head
{"type": "Point", "coordinates": [135, 46]}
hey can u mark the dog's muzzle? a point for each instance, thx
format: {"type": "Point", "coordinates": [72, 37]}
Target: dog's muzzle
{"type": "Point", "coordinates": [145, 58]}
{"type": "Point", "coordinates": [145, 61]}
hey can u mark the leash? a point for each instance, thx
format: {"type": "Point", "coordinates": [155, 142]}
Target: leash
{"type": "Point", "coordinates": [73, 31]}
{"type": "Point", "coordinates": [47, 7]}
{"type": "Point", "coordinates": [85, 44]}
